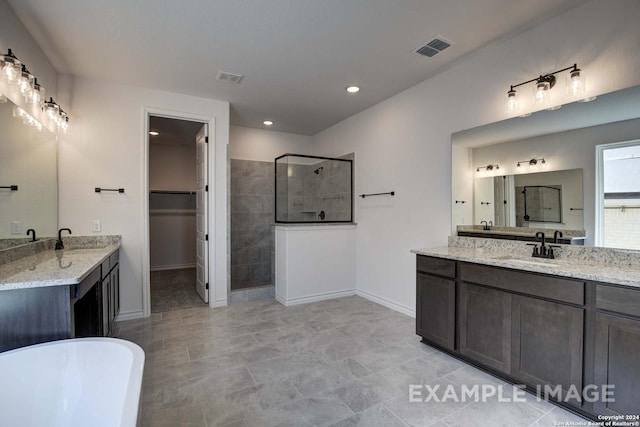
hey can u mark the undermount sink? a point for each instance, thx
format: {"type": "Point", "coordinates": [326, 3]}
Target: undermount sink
{"type": "Point", "coordinates": [527, 262]}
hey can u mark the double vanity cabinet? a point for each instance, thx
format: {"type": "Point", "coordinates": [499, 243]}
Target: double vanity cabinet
{"type": "Point", "coordinates": [535, 329]}
{"type": "Point", "coordinates": [61, 294]}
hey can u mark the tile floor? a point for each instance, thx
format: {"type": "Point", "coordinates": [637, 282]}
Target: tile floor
{"type": "Point", "coordinates": [174, 290]}
{"type": "Point", "coordinates": [342, 362]}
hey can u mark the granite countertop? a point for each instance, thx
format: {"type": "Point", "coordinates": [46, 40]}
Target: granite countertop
{"type": "Point", "coordinates": [627, 276]}
{"type": "Point", "coordinates": [57, 268]}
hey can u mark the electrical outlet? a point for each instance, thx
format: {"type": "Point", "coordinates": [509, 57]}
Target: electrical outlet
{"type": "Point", "coordinates": [16, 227]}
{"type": "Point", "coordinates": [97, 226]}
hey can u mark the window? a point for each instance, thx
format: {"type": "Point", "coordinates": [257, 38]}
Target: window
{"type": "Point", "coordinates": [618, 195]}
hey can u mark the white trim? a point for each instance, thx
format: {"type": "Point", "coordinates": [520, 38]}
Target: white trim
{"type": "Point", "coordinates": [130, 315]}
{"type": "Point", "coordinates": [217, 303]}
{"type": "Point", "coordinates": [599, 187]}
{"type": "Point", "coordinates": [211, 133]}
{"type": "Point", "coordinates": [315, 297]}
{"type": "Point", "coordinates": [171, 267]}
{"type": "Point", "coordinates": [387, 303]}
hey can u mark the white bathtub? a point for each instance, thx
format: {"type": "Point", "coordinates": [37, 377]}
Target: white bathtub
{"type": "Point", "coordinates": [76, 382]}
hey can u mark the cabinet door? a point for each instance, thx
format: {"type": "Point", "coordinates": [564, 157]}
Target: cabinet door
{"type": "Point", "coordinates": [114, 300]}
{"type": "Point", "coordinates": [617, 350]}
{"type": "Point", "coordinates": [104, 309]}
{"type": "Point", "coordinates": [485, 326]}
{"type": "Point", "coordinates": [435, 315]}
{"type": "Point", "coordinates": [547, 348]}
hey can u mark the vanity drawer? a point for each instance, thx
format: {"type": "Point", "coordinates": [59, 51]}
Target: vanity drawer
{"type": "Point", "coordinates": [437, 266]}
{"type": "Point", "coordinates": [114, 258]}
{"type": "Point", "coordinates": [555, 288]}
{"type": "Point", "coordinates": [105, 268]}
{"type": "Point", "coordinates": [620, 300]}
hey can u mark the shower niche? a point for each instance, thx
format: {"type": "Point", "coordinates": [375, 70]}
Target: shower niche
{"type": "Point", "coordinates": [313, 189]}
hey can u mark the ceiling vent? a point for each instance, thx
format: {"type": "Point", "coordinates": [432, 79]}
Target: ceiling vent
{"type": "Point", "coordinates": [433, 47]}
{"type": "Point", "coordinates": [229, 77]}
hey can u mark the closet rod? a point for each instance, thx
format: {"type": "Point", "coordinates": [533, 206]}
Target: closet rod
{"type": "Point", "coordinates": [171, 192]}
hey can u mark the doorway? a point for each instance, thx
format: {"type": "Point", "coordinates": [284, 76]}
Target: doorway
{"type": "Point", "coordinates": [618, 195]}
{"type": "Point", "coordinates": [178, 195]}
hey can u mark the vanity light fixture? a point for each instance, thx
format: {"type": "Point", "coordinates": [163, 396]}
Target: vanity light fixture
{"type": "Point", "coordinates": [16, 74]}
{"type": "Point", "coordinates": [532, 163]}
{"type": "Point", "coordinates": [544, 84]}
{"type": "Point", "coordinates": [26, 118]}
{"type": "Point", "coordinates": [488, 168]}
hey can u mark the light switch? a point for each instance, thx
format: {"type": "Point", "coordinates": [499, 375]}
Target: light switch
{"type": "Point", "coordinates": [97, 226]}
{"type": "Point", "coordinates": [16, 227]}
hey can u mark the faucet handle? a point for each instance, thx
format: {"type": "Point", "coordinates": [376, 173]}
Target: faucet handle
{"type": "Point", "coordinates": [550, 253]}
{"type": "Point", "coordinates": [536, 252]}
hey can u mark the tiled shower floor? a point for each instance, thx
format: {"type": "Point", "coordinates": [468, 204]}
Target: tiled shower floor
{"type": "Point", "coordinates": [174, 290]}
{"type": "Point", "coordinates": [341, 362]}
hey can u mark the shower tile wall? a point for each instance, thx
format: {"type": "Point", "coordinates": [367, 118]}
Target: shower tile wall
{"type": "Point", "coordinates": [252, 210]}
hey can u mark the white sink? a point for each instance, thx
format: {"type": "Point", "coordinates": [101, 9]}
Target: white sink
{"type": "Point", "coordinates": [528, 262]}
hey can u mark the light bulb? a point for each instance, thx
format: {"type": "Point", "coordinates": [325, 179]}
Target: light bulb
{"type": "Point", "coordinates": [11, 68]}
{"type": "Point", "coordinates": [512, 101]}
{"type": "Point", "coordinates": [25, 83]}
{"type": "Point", "coordinates": [541, 92]}
{"type": "Point", "coordinates": [576, 83]}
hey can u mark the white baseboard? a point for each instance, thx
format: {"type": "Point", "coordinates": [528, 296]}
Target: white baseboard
{"type": "Point", "coordinates": [171, 267]}
{"type": "Point", "coordinates": [387, 303]}
{"type": "Point", "coordinates": [315, 297]}
{"type": "Point", "coordinates": [219, 303]}
{"type": "Point", "coordinates": [130, 315]}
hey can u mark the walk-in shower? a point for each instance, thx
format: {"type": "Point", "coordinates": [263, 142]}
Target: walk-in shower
{"type": "Point", "coordinates": [313, 189]}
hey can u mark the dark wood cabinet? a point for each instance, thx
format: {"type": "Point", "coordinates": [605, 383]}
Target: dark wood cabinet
{"type": "Point", "coordinates": [41, 314]}
{"type": "Point", "coordinates": [436, 300]}
{"type": "Point", "coordinates": [547, 344]}
{"type": "Point", "coordinates": [485, 326]}
{"type": "Point", "coordinates": [616, 362]}
{"type": "Point", "coordinates": [435, 317]}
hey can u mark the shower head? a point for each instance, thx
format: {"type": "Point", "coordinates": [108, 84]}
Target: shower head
{"type": "Point", "coordinates": [317, 171]}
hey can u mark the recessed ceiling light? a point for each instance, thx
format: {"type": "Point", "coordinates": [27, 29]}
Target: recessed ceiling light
{"type": "Point", "coordinates": [154, 133]}
{"type": "Point", "coordinates": [352, 89]}
{"type": "Point", "coordinates": [267, 123]}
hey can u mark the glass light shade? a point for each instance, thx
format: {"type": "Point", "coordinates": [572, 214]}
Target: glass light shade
{"type": "Point", "coordinates": [576, 83]}
{"type": "Point", "coordinates": [11, 68]}
{"type": "Point", "coordinates": [37, 95]}
{"type": "Point", "coordinates": [25, 83]}
{"type": "Point", "coordinates": [511, 101]}
{"type": "Point", "coordinates": [541, 92]}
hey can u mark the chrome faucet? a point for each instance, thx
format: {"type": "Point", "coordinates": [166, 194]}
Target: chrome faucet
{"type": "Point", "coordinates": [59, 243]}
{"type": "Point", "coordinates": [32, 232]}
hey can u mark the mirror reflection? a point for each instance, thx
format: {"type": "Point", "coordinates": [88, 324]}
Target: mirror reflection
{"type": "Point", "coordinates": [28, 167]}
{"type": "Point", "coordinates": [534, 200]}
{"type": "Point", "coordinates": [569, 139]}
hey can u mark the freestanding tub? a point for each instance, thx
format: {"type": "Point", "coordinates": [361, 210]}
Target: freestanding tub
{"type": "Point", "coordinates": [75, 382]}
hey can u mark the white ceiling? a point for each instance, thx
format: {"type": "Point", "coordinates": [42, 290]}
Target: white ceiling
{"type": "Point", "coordinates": [297, 56]}
{"type": "Point", "coordinates": [173, 131]}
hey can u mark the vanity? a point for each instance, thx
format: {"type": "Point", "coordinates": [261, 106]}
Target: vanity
{"type": "Point", "coordinates": [570, 325]}
{"type": "Point", "coordinates": [58, 294]}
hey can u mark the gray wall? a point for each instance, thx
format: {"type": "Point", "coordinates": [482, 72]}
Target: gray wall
{"type": "Point", "coordinates": [252, 201]}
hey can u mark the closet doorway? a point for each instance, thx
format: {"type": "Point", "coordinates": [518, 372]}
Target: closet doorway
{"type": "Point", "coordinates": [178, 190]}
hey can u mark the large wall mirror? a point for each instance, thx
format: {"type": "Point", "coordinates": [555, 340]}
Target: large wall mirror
{"type": "Point", "coordinates": [562, 189]}
{"type": "Point", "coordinates": [28, 177]}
